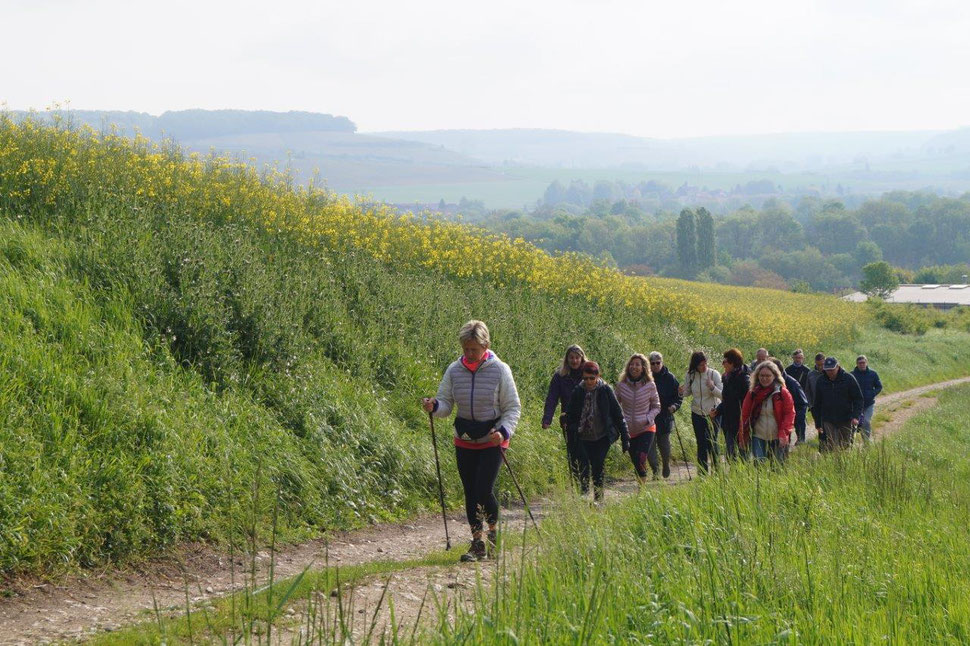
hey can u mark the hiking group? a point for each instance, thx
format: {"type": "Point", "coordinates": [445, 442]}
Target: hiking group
{"type": "Point", "coordinates": [757, 406]}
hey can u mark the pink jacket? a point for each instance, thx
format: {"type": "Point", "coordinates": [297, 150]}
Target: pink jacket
{"type": "Point", "coordinates": [640, 403]}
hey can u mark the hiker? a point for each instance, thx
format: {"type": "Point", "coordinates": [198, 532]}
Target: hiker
{"type": "Point", "coordinates": [799, 372]}
{"type": "Point", "coordinates": [810, 383]}
{"type": "Point", "coordinates": [868, 380]}
{"type": "Point", "coordinates": [759, 356]}
{"type": "Point", "coordinates": [703, 385]}
{"type": "Point", "coordinates": [670, 400]}
{"type": "Point", "coordinates": [736, 383]}
{"type": "Point", "coordinates": [768, 414]}
{"type": "Point", "coordinates": [479, 386]}
{"type": "Point", "coordinates": [640, 404]}
{"type": "Point", "coordinates": [595, 418]}
{"type": "Point", "coordinates": [838, 405]}
{"type": "Point", "coordinates": [564, 382]}
{"type": "Point", "coordinates": [799, 398]}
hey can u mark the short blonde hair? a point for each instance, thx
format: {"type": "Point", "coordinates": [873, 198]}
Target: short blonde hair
{"type": "Point", "coordinates": [475, 331]}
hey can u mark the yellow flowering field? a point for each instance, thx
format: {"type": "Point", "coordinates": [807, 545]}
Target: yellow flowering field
{"type": "Point", "coordinates": [43, 168]}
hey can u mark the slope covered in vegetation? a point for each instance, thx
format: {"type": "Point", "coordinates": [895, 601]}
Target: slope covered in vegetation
{"type": "Point", "coordinates": [182, 335]}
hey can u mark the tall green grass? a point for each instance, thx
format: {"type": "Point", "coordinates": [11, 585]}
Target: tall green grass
{"type": "Point", "coordinates": [863, 547]}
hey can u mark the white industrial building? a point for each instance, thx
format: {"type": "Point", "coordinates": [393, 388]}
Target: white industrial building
{"type": "Point", "coordinates": [941, 297]}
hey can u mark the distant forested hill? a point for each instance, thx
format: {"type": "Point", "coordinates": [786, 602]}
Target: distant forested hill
{"type": "Point", "coordinates": [197, 124]}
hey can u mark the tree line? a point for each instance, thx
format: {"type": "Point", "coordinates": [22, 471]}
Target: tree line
{"type": "Point", "coordinates": [813, 245]}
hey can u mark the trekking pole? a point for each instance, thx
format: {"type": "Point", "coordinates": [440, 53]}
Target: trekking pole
{"type": "Point", "coordinates": [683, 451]}
{"type": "Point", "coordinates": [521, 495]}
{"type": "Point", "coordinates": [441, 490]}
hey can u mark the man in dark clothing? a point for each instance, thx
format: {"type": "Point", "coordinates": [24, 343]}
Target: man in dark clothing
{"type": "Point", "coordinates": [759, 356]}
{"type": "Point", "coordinates": [871, 386]}
{"type": "Point", "coordinates": [799, 372]}
{"type": "Point", "coordinates": [670, 400]}
{"type": "Point", "coordinates": [838, 405]}
{"type": "Point", "coordinates": [810, 383]}
{"type": "Point", "coordinates": [735, 384]}
{"type": "Point", "coordinates": [798, 396]}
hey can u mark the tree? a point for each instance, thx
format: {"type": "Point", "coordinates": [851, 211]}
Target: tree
{"type": "Point", "coordinates": [687, 241]}
{"type": "Point", "coordinates": [555, 194]}
{"type": "Point", "coordinates": [879, 279]}
{"type": "Point", "coordinates": [867, 252]}
{"type": "Point", "coordinates": [706, 246]}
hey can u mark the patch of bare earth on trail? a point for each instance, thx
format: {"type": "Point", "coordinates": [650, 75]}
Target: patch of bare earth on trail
{"type": "Point", "coordinates": [36, 611]}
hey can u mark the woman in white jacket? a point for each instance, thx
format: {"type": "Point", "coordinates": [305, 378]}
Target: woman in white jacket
{"type": "Point", "coordinates": [703, 385]}
{"type": "Point", "coordinates": [480, 389]}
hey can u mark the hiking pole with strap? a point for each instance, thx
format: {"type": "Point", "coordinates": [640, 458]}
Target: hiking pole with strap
{"type": "Point", "coordinates": [683, 451]}
{"type": "Point", "coordinates": [516, 483]}
{"type": "Point", "coordinates": [441, 490]}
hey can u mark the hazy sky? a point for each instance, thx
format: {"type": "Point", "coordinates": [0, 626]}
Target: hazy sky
{"type": "Point", "coordinates": [660, 69]}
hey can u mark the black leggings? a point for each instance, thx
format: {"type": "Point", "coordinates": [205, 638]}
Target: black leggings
{"type": "Point", "coordinates": [593, 458]}
{"type": "Point", "coordinates": [478, 469]}
{"type": "Point", "coordinates": [643, 450]}
{"type": "Point", "coordinates": [705, 432]}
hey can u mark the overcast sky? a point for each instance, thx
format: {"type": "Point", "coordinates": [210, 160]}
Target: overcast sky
{"type": "Point", "coordinates": [659, 69]}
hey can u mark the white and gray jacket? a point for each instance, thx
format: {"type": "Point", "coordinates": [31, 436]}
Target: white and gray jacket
{"type": "Point", "coordinates": [487, 394]}
{"type": "Point", "coordinates": [702, 396]}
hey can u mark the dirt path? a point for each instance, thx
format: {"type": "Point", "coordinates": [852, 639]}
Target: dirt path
{"type": "Point", "coordinates": [35, 611]}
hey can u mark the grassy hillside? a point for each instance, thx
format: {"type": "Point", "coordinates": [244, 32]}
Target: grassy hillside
{"type": "Point", "coordinates": [859, 548]}
{"type": "Point", "coordinates": [182, 335]}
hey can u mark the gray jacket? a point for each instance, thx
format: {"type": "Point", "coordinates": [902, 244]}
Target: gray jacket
{"type": "Point", "coordinates": [487, 394]}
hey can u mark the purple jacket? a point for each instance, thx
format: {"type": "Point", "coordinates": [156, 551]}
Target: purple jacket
{"type": "Point", "coordinates": [560, 390]}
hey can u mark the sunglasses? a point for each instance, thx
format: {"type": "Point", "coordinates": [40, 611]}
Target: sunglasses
{"type": "Point", "coordinates": [590, 377]}
{"type": "Point", "coordinates": [655, 363]}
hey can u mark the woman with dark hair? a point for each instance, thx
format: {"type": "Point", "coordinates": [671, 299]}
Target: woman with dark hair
{"type": "Point", "coordinates": [594, 417]}
{"type": "Point", "coordinates": [737, 381]}
{"type": "Point", "coordinates": [480, 388]}
{"type": "Point", "coordinates": [564, 381]}
{"type": "Point", "coordinates": [703, 385]}
{"type": "Point", "coordinates": [768, 414]}
{"type": "Point", "coordinates": [640, 403]}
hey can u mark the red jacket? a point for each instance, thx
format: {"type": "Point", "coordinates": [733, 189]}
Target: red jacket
{"type": "Point", "coordinates": [784, 414]}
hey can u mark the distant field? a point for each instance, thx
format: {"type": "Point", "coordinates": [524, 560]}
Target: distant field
{"type": "Point", "coordinates": [522, 186]}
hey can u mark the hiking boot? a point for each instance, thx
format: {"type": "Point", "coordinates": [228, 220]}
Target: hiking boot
{"type": "Point", "coordinates": [666, 471]}
{"type": "Point", "coordinates": [491, 544]}
{"type": "Point", "coordinates": [476, 552]}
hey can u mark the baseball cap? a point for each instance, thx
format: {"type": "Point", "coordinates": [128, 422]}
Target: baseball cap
{"type": "Point", "coordinates": [830, 363]}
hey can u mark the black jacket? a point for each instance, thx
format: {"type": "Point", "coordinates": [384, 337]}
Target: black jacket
{"type": "Point", "coordinates": [668, 389]}
{"type": "Point", "coordinates": [799, 373]}
{"type": "Point", "coordinates": [837, 400]}
{"type": "Point", "coordinates": [611, 416]}
{"type": "Point", "coordinates": [735, 386]}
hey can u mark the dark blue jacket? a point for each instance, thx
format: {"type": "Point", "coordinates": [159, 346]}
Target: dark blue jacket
{"type": "Point", "coordinates": [869, 383]}
{"type": "Point", "coordinates": [560, 390]}
{"type": "Point", "coordinates": [797, 392]}
{"type": "Point", "coordinates": [668, 389]}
